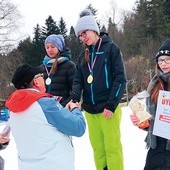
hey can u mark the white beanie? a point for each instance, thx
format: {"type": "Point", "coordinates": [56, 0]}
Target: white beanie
{"type": "Point", "coordinates": [86, 22]}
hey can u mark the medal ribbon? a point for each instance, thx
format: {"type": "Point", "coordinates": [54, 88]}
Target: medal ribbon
{"type": "Point", "coordinates": [48, 72]}
{"type": "Point", "coordinates": [91, 67]}
{"type": "Point", "coordinates": [49, 77]}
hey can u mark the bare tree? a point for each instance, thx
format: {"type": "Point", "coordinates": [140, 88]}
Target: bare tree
{"type": "Point", "coordinates": [9, 63]}
{"type": "Point", "coordinates": [9, 23]}
{"type": "Point", "coordinates": [109, 15]}
{"type": "Point", "coordinates": [138, 73]}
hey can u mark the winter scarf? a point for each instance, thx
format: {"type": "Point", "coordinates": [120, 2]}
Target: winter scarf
{"type": "Point", "coordinates": [150, 140]}
{"type": "Point", "coordinates": [49, 61]}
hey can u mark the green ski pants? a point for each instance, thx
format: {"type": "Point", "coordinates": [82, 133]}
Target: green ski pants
{"type": "Point", "coordinates": [105, 138]}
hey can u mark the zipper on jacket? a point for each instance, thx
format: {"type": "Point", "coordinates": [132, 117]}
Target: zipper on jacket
{"type": "Point", "coordinates": [106, 73]}
{"type": "Point", "coordinates": [118, 90]}
{"type": "Point", "coordinates": [92, 96]}
{"type": "Point", "coordinates": [91, 85]}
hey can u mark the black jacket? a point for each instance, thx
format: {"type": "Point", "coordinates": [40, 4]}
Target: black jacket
{"type": "Point", "coordinates": [3, 146]}
{"type": "Point", "coordinates": [62, 80]}
{"type": "Point", "coordinates": [109, 80]}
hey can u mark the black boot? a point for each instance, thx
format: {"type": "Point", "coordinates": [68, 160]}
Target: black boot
{"type": "Point", "coordinates": [105, 168]}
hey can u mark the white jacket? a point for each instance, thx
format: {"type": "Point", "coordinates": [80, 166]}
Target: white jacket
{"type": "Point", "coordinates": [42, 134]}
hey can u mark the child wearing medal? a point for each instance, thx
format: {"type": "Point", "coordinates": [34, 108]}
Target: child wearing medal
{"type": "Point", "coordinates": [58, 68]}
{"type": "Point", "coordinates": [100, 78]}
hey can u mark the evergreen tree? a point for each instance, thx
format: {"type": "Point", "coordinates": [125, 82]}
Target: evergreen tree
{"type": "Point", "coordinates": [74, 44]}
{"type": "Point", "coordinates": [93, 10]}
{"type": "Point", "coordinates": [50, 28]}
{"type": "Point", "coordinates": [62, 27]}
{"type": "Point", "coordinates": [158, 22]}
{"type": "Point", "coordinates": [25, 47]}
{"type": "Point", "coordinates": [37, 34]}
{"type": "Point", "coordinates": [112, 29]}
{"type": "Point", "coordinates": [130, 45]}
{"type": "Point", "coordinates": [103, 29]}
{"type": "Point", "coordinates": [145, 28]}
{"type": "Point", "coordinates": [38, 45]}
{"type": "Point", "coordinates": [166, 7]}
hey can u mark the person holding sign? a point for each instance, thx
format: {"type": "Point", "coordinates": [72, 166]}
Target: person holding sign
{"type": "Point", "coordinates": [100, 74]}
{"type": "Point", "coordinates": [158, 156]}
{"type": "Point", "coordinates": [58, 68]}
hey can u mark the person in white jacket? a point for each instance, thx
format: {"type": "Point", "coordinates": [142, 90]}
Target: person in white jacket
{"type": "Point", "coordinates": [41, 127]}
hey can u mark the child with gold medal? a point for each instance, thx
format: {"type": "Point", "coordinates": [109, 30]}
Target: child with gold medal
{"type": "Point", "coordinates": [90, 79]}
{"type": "Point", "coordinates": [100, 75]}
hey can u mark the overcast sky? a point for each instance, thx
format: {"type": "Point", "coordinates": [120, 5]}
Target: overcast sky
{"type": "Point", "coordinates": [37, 11]}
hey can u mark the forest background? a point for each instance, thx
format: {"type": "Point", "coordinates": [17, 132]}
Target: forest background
{"type": "Point", "coordinates": [138, 36]}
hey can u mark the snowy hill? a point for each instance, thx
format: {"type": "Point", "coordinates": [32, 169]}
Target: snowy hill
{"type": "Point", "coordinates": [132, 141]}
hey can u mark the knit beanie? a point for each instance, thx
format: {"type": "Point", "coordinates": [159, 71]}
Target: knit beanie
{"type": "Point", "coordinates": [24, 75]}
{"type": "Point", "coordinates": [86, 22]}
{"type": "Point", "coordinates": [164, 49]}
{"type": "Point", "coordinates": [57, 40]}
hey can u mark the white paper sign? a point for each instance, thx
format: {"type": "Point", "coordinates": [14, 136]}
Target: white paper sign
{"type": "Point", "coordinates": [162, 118]}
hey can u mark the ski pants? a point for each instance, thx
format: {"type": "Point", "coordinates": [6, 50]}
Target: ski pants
{"type": "Point", "coordinates": [105, 139]}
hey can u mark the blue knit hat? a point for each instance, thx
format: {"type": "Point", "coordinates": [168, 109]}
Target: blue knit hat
{"type": "Point", "coordinates": [57, 40]}
{"type": "Point", "coordinates": [86, 22]}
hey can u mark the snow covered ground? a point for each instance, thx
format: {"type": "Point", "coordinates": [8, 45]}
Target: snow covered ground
{"type": "Point", "coordinates": [132, 141]}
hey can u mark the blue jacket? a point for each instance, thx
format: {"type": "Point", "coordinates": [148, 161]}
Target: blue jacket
{"type": "Point", "coordinates": [42, 128]}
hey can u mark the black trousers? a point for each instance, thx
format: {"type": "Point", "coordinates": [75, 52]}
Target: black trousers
{"type": "Point", "coordinates": [159, 158]}
{"type": "Point", "coordinates": [1, 163]}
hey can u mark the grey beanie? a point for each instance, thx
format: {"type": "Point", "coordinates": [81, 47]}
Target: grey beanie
{"type": "Point", "coordinates": [86, 22]}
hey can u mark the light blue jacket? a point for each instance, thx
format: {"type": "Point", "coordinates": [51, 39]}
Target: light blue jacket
{"type": "Point", "coordinates": [42, 132]}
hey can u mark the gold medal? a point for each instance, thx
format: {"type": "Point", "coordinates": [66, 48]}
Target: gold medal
{"type": "Point", "coordinates": [90, 79]}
